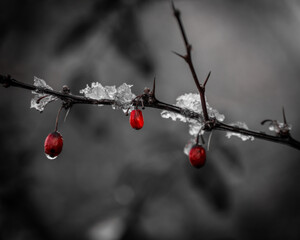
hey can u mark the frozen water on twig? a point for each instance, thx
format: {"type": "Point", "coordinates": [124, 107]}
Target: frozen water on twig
{"type": "Point", "coordinates": [278, 127]}
{"type": "Point", "coordinates": [188, 146]}
{"type": "Point", "coordinates": [239, 135]}
{"type": "Point", "coordinates": [191, 102]}
{"type": "Point", "coordinates": [98, 92]}
{"type": "Point", "coordinates": [121, 95]}
{"type": "Point", "coordinates": [195, 127]}
{"type": "Point", "coordinates": [40, 100]}
{"type": "Point", "coordinates": [173, 116]}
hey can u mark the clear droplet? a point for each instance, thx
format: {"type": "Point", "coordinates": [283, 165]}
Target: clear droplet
{"type": "Point", "coordinates": [49, 157]}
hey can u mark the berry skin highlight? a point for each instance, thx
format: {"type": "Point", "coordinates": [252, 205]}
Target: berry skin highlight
{"type": "Point", "coordinates": [53, 145]}
{"type": "Point", "coordinates": [197, 156]}
{"type": "Point", "coordinates": [136, 119]}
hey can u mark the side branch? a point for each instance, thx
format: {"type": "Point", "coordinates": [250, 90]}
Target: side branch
{"type": "Point", "coordinates": [283, 139]}
{"type": "Point", "coordinates": [151, 101]}
{"type": "Point", "coordinates": [189, 61]}
{"type": "Point", "coordinates": [7, 81]}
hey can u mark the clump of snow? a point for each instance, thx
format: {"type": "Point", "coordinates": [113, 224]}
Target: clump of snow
{"type": "Point", "coordinates": [278, 127]}
{"type": "Point", "coordinates": [98, 92]}
{"type": "Point", "coordinates": [173, 116]}
{"type": "Point", "coordinates": [239, 135]}
{"type": "Point", "coordinates": [40, 100]}
{"type": "Point", "coordinates": [190, 102]}
{"type": "Point", "coordinates": [121, 95]}
{"type": "Point", "coordinates": [195, 127]}
{"type": "Point", "coordinates": [188, 146]}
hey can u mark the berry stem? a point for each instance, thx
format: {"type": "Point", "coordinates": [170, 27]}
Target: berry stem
{"type": "Point", "coordinates": [200, 136]}
{"type": "Point", "coordinates": [38, 101]}
{"type": "Point", "coordinates": [206, 80]}
{"type": "Point", "coordinates": [210, 124]}
{"type": "Point", "coordinates": [77, 99]}
{"type": "Point", "coordinates": [57, 117]}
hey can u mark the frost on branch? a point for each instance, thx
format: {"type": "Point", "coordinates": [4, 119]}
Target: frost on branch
{"type": "Point", "coordinates": [121, 95]}
{"type": "Point", "coordinates": [241, 136]}
{"type": "Point", "coordinates": [279, 127]}
{"type": "Point", "coordinates": [191, 102]}
{"type": "Point", "coordinates": [98, 92]}
{"type": "Point", "coordinates": [40, 100]}
{"type": "Point", "coordinates": [189, 146]}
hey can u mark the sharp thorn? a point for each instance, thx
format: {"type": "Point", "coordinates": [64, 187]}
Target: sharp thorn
{"type": "Point", "coordinates": [153, 88]}
{"type": "Point", "coordinates": [179, 55]}
{"type": "Point", "coordinates": [207, 78]}
{"type": "Point", "coordinates": [175, 11]}
{"type": "Point", "coordinates": [284, 117]}
{"type": "Point", "coordinates": [173, 6]}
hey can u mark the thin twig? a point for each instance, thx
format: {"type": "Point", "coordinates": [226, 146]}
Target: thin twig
{"type": "Point", "coordinates": [57, 118]}
{"type": "Point", "coordinates": [189, 61]}
{"type": "Point", "coordinates": [149, 100]}
{"type": "Point", "coordinates": [216, 125]}
{"type": "Point", "coordinates": [204, 84]}
{"type": "Point", "coordinates": [287, 139]}
{"type": "Point", "coordinates": [284, 117]}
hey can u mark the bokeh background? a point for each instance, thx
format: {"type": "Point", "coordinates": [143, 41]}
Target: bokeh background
{"type": "Point", "coordinates": [112, 182]}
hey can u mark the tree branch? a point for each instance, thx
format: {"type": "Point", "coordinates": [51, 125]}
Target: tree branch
{"type": "Point", "coordinates": [150, 100]}
{"type": "Point", "coordinates": [189, 61]}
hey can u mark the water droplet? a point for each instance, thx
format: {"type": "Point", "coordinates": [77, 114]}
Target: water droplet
{"type": "Point", "coordinates": [49, 157]}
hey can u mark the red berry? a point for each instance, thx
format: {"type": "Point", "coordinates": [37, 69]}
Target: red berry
{"type": "Point", "coordinates": [197, 156]}
{"type": "Point", "coordinates": [53, 145]}
{"type": "Point", "coordinates": [136, 119]}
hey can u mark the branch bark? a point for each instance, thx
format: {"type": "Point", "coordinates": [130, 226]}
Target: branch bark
{"type": "Point", "coordinates": [148, 99]}
{"type": "Point", "coordinates": [188, 58]}
{"type": "Point", "coordinates": [151, 101]}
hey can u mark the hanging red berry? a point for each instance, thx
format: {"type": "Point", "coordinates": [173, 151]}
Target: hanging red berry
{"type": "Point", "coordinates": [53, 145]}
{"type": "Point", "coordinates": [197, 156]}
{"type": "Point", "coordinates": [136, 119]}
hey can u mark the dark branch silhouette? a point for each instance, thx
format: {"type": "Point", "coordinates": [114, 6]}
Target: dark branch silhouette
{"type": "Point", "coordinates": [148, 99]}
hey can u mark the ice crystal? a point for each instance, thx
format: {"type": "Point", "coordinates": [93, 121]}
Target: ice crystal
{"type": "Point", "coordinates": [241, 136]}
{"type": "Point", "coordinates": [188, 146]}
{"type": "Point", "coordinates": [278, 127]}
{"type": "Point", "coordinates": [172, 115]}
{"type": "Point", "coordinates": [195, 127]}
{"type": "Point", "coordinates": [98, 92]}
{"type": "Point", "coordinates": [40, 100]}
{"type": "Point", "coordinates": [121, 95]}
{"type": "Point", "coordinates": [191, 104]}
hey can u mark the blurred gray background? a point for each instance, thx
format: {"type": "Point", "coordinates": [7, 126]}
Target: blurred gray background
{"type": "Point", "coordinates": [112, 182]}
